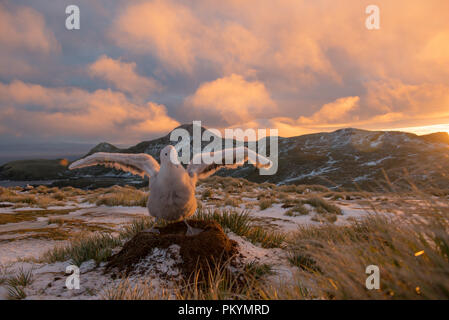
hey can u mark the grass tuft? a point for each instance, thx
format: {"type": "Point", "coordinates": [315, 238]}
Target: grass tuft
{"type": "Point", "coordinates": [241, 223]}
{"type": "Point", "coordinates": [258, 270]}
{"type": "Point", "coordinates": [265, 204]}
{"type": "Point", "coordinates": [121, 196]}
{"type": "Point", "coordinates": [297, 210]}
{"type": "Point", "coordinates": [342, 253]}
{"type": "Point", "coordinates": [97, 247]}
{"type": "Point", "coordinates": [322, 206]}
{"type": "Point", "coordinates": [15, 285]}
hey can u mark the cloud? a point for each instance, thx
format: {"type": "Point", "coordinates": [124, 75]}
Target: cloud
{"type": "Point", "coordinates": [294, 42]}
{"type": "Point", "coordinates": [330, 116]}
{"type": "Point", "coordinates": [301, 66]}
{"type": "Point", "coordinates": [23, 32]}
{"type": "Point", "coordinates": [24, 28]}
{"type": "Point", "coordinates": [182, 37]}
{"type": "Point", "coordinates": [161, 28]}
{"type": "Point", "coordinates": [333, 112]}
{"type": "Point", "coordinates": [36, 111]}
{"type": "Point", "coordinates": [231, 99]}
{"type": "Point", "coordinates": [123, 76]}
{"type": "Point", "coordinates": [386, 105]}
{"type": "Point", "coordinates": [411, 99]}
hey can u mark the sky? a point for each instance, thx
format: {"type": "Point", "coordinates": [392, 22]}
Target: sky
{"type": "Point", "coordinates": [137, 69]}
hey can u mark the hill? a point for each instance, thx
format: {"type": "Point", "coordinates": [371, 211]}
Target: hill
{"type": "Point", "coordinates": [347, 158]}
{"type": "Point", "coordinates": [39, 169]}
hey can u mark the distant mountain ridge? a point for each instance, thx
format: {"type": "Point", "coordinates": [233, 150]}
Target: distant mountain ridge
{"type": "Point", "coordinates": [151, 146]}
{"type": "Point", "coordinates": [347, 158]}
{"type": "Point", "coordinates": [436, 137]}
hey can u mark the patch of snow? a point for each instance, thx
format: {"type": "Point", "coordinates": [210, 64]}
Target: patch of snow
{"type": "Point", "coordinates": [361, 178]}
{"type": "Point", "coordinates": [27, 248]}
{"type": "Point", "coordinates": [315, 172]}
{"type": "Point", "coordinates": [160, 262]}
{"type": "Point", "coordinates": [375, 163]}
{"type": "Point", "coordinates": [276, 258]}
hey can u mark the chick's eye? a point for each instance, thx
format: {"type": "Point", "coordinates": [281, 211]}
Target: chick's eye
{"type": "Point", "coordinates": [166, 154]}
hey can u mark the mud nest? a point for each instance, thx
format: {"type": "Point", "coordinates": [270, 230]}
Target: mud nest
{"type": "Point", "coordinates": [204, 251]}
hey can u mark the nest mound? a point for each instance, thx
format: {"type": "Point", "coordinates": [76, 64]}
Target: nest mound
{"type": "Point", "coordinates": [202, 251]}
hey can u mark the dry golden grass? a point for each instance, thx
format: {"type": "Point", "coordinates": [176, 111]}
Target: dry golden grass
{"type": "Point", "coordinates": [120, 196]}
{"type": "Point", "coordinates": [32, 199]}
{"type": "Point", "coordinates": [333, 259]}
{"type": "Point", "coordinates": [216, 283]}
{"type": "Point", "coordinates": [265, 203]}
{"type": "Point", "coordinates": [411, 250]}
{"type": "Point", "coordinates": [232, 201]}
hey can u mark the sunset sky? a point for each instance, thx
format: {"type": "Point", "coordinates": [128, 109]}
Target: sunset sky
{"type": "Point", "coordinates": [137, 69]}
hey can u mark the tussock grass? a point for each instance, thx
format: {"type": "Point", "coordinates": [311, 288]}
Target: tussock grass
{"type": "Point", "coordinates": [232, 201]}
{"type": "Point", "coordinates": [342, 253]}
{"type": "Point", "coordinates": [128, 290]}
{"type": "Point", "coordinates": [303, 261]}
{"type": "Point", "coordinates": [16, 293]}
{"type": "Point", "coordinates": [265, 204]}
{"type": "Point", "coordinates": [287, 188]}
{"type": "Point", "coordinates": [121, 196]}
{"type": "Point", "coordinates": [297, 210]}
{"type": "Point", "coordinates": [97, 246]}
{"type": "Point", "coordinates": [206, 194]}
{"type": "Point", "coordinates": [39, 189]}
{"type": "Point", "coordinates": [21, 278]}
{"type": "Point", "coordinates": [4, 192]}
{"type": "Point", "coordinates": [265, 238]}
{"type": "Point", "coordinates": [8, 195]}
{"type": "Point", "coordinates": [301, 189]}
{"type": "Point", "coordinates": [27, 199]}
{"type": "Point", "coordinates": [219, 283]}
{"type": "Point", "coordinates": [135, 227]}
{"type": "Point", "coordinates": [223, 182]}
{"type": "Point", "coordinates": [258, 270]}
{"type": "Point", "coordinates": [283, 196]}
{"type": "Point", "coordinates": [241, 223]}
{"type": "Point", "coordinates": [71, 191]}
{"type": "Point", "coordinates": [215, 283]}
{"type": "Point", "coordinates": [58, 196]}
{"type": "Point", "coordinates": [238, 222]}
{"type": "Point", "coordinates": [322, 206]}
{"type": "Point", "coordinates": [43, 196]}
{"type": "Point", "coordinates": [324, 218]}
{"type": "Point", "coordinates": [3, 273]}
{"type": "Point", "coordinates": [58, 221]}
{"type": "Point", "coordinates": [315, 188]}
{"type": "Point", "coordinates": [15, 285]}
{"type": "Point", "coordinates": [268, 185]}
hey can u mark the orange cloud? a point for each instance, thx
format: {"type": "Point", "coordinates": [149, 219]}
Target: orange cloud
{"type": "Point", "coordinates": [332, 112]}
{"type": "Point", "coordinates": [102, 114]}
{"type": "Point", "coordinates": [279, 63]}
{"type": "Point", "coordinates": [162, 28]}
{"type": "Point", "coordinates": [387, 105]}
{"type": "Point", "coordinates": [394, 96]}
{"type": "Point", "coordinates": [297, 41]}
{"type": "Point", "coordinates": [23, 30]}
{"type": "Point", "coordinates": [123, 76]}
{"type": "Point", "coordinates": [180, 37]}
{"type": "Point", "coordinates": [232, 99]}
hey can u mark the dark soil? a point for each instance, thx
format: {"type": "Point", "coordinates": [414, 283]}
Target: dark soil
{"type": "Point", "coordinates": [202, 251]}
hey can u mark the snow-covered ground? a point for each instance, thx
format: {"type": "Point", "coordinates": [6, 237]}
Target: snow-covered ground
{"type": "Point", "coordinates": [31, 237]}
{"type": "Point", "coordinates": [27, 239]}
